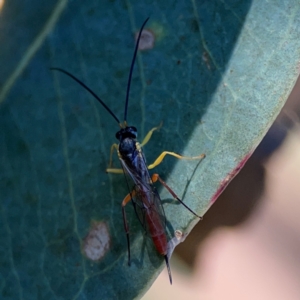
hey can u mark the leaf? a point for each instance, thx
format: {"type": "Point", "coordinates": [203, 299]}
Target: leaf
{"type": "Point", "coordinates": [217, 76]}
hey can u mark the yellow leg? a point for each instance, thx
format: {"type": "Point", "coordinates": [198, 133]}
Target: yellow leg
{"type": "Point", "coordinates": [163, 154]}
{"type": "Point", "coordinates": [114, 171]}
{"type": "Point", "coordinates": [110, 169]}
{"type": "Point", "coordinates": [112, 148]}
{"type": "Point", "coordinates": [149, 134]}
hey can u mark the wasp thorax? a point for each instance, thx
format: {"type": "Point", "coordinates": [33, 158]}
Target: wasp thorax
{"type": "Point", "coordinates": [127, 132]}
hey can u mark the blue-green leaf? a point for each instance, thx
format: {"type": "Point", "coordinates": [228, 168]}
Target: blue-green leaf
{"type": "Point", "coordinates": [217, 76]}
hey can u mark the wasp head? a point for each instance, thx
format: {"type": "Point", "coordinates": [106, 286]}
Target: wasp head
{"type": "Point", "coordinates": [127, 132]}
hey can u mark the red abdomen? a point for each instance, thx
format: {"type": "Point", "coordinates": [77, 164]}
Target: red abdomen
{"type": "Point", "coordinates": [157, 232]}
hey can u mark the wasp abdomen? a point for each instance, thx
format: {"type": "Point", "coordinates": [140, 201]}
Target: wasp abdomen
{"type": "Point", "coordinates": [157, 232]}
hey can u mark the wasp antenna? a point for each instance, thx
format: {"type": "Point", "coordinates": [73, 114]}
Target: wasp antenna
{"type": "Point", "coordinates": [88, 89]}
{"type": "Point", "coordinates": [168, 267]}
{"type": "Point", "coordinates": [131, 68]}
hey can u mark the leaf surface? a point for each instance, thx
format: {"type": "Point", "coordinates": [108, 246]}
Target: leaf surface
{"type": "Point", "coordinates": [217, 76]}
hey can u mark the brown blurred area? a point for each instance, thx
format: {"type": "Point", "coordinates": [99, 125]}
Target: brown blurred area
{"type": "Point", "coordinates": [248, 244]}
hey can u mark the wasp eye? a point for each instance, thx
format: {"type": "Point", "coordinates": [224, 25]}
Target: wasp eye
{"type": "Point", "coordinates": [118, 135]}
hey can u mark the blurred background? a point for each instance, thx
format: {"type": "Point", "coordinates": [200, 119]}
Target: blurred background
{"type": "Point", "coordinates": [248, 244]}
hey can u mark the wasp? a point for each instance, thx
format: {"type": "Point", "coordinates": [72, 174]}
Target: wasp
{"type": "Point", "coordinates": [143, 195]}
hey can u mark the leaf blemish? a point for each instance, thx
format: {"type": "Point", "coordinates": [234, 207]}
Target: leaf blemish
{"type": "Point", "coordinates": [229, 177]}
{"type": "Point", "coordinates": [147, 40]}
{"type": "Point", "coordinates": [206, 59]}
{"type": "Point", "coordinates": [178, 238]}
{"type": "Point", "coordinates": [97, 241]}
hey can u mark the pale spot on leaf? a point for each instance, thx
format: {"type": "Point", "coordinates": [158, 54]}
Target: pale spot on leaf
{"type": "Point", "coordinates": [97, 242]}
{"type": "Point", "coordinates": [147, 40]}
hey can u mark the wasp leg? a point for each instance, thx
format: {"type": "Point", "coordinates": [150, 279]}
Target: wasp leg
{"type": "Point", "coordinates": [110, 169]}
{"type": "Point", "coordinates": [124, 202]}
{"type": "Point", "coordinates": [149, 134]}
{"type": "Point", "coordinates": [163, 154]}
{"type": "Point", "coordinates": [156, 177]}
{"type": "Point", "coordinates": [112, 148]}
{"type": "Point", "coordinates": [114, 171]}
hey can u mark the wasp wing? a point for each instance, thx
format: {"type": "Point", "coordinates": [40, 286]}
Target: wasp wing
{"type": "Point", "coordinates": [135, 198]}
{"type": "Point", "coordinates": [145, 198]}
